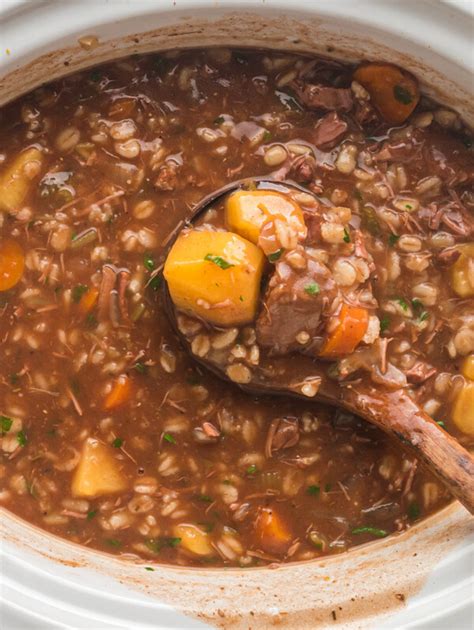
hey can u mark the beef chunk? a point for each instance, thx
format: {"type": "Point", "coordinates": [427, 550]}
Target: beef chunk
{"type": "Point", "coordinates": [316, 96]}
{"type": "Point", "coordinates": [329, 131]}
{"type": "Point", "coordinates": [294, 302]}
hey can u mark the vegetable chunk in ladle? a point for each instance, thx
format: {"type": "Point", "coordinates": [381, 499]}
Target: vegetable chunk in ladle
{"type": "Point", "coordinates": [273, 289]}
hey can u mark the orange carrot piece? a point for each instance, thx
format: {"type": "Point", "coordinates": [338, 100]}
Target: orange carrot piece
{"type": "Point", "coordinates": [393, 91]}
{"type": "Point", "coordinates": [272, 532]}
{"type": "Point", "coordinates": [12, 264]}
{"type": "Point", "coordinates": [120, 393]}
{"type": "Point", "coordinates": [88, 300]}
{"type": "Point", "coordinates": [353, 322]}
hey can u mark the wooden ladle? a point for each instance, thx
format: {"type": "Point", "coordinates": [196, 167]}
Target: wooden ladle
{"type": "Point", "coordinates": [394, 411]}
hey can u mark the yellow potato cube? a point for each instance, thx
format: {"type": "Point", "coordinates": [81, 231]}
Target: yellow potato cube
{"type": "Point", "coordinates": [463, 410]}
{"type": "Point", "coordinates": [215, 276]}
{"type": "Point", "coordinates": [462, 272]}
{"type": "Point", "coordinates": [194, 539]}
{"type": "Point", "coordinates": [98, 471]}
{"type": "Point", "coordinates": [467, 368]}
{"type": "Point", "coordinates": [248, 211]}
{"type": "Point", "coordinates": [16, 180]}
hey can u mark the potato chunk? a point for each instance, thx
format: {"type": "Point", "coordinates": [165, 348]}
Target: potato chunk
{"type": "Point", "coordinates": [215, 276]}
{"type": "Point", "coordinates": [463, 410]}
{"type": "Point", "coordinates": [194, 539]}
{"type": "Point", "coordinates": [267, 218]}
{"type": "Point", "coordinates": [16, 179]}
{"type": "Point", "coordinates": [462, 272]}
{"type": "Point", "coordinates": [98, 472]}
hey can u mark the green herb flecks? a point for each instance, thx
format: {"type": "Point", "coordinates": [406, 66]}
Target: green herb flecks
{"type": "Point", "coordinates": [267, 135]}
{"type": "Point", "coordinates": [251, 470]}
{"type": "Point", "coordinates": [219, 261]}
{"type": "Point", "coordinates": [117, 443]}
{"type": "Point", "coordinates": [113, 542]}
{"type": "Point", "coordinates": [313, 490]}
{"type": "Point", "coordinates": [5, 424]}
{"type": "Point", "coordinates": [148, 262]}
{"type": "Point", "coordinates": [275, 255]}
{"type": "Point", "coordinates": [77, 292]}
{"type": "Point", "coordinates": [393, 239]}
{"type": "Point", "coordinates": [370, 220]}
{"type": "Point", "coordinates": [149, 569]}
{"type": "Point", "coordinates": [157, 544]}
{"type": "Point", "coordinates": [373, 531]}
{"type": "Point", "coordinates": [347, 236]}
{"type": "Point", "coordinates": [91, 514]}
{"type": "Point", "coordinates": [219, 120]}
{"type": "Point", "coordinates": [403, 303]}
{"type": "Point", "coordinates": [402, 94]}
{"type": "Point", "coordinates": [384, 323]}
{"type": "Point", "coordinates": [21, 438]}
{"type": "Point", "coordinates": [169, 438]}
{"type": "Point", "coordinates": [140, 367]}
{"type": "Point", "coordinates": [413, 511]}
{"type": "Point", "coordinates": [204, 498]}
{"type": "Point", "coordinates": [312, 288]}
{"type": "Point", "coordinates": [441, 424]}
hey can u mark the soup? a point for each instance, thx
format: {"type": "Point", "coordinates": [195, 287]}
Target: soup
{"type": "Point", "coordinates": [112, 436]}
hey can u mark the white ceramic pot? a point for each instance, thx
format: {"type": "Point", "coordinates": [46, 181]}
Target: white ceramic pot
{"type": "Point", "coordinates": [419, 579]}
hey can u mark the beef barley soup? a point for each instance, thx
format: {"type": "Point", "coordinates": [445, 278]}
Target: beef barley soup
{"type": "Point", "coordinates": [111, 435]}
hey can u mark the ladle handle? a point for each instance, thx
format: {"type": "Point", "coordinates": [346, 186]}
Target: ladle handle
{"type": "Point", "coordinates": [397, 414]}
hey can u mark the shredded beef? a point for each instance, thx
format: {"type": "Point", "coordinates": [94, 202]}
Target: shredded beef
{"type": "Point", "coordinates": [329, 131]}
{"type": "Point", "coordinates": [315, 96]}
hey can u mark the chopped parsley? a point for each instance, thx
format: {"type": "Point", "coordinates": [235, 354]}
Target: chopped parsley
{"type": "Point", "coordinates": [384, 323]}
{"type": "Point", "coordinates": [312, 288]}
{"type": "Point", "coordinates": [219, 120]}
{"type": "Point", "coordinates": [219, 261]}
{"type": "Point", "coordinates": [148, 262]}
{"type": "Point", "coordinates": [14, 379]}
{"type": "Point", "coordinates": [275, 255]}
{"type": "Point", "coordinates": [251, 470]}
{"type": "Point", "coordinates": [95, 76]}
{"type": "Point", "coordinates": [149, 569]}
{"type": "Point", "coordinates": [347, 236]}
{"type": "Point", "coordinates": [21, 438]}
{"type": "Point", "coordinates": [77, 292]}
{"type": "Point", "coordinates": [113, 542]}
{"type": "Point", "coordinates": [413, 511]}
{"type": "Point", "coordinates": [117, 443]}
{"type": "Point", "coordinates": [205, 498]}
{"type": "Point", "coordinates": [156, 544]}
{"type": "Point", "coordinates": [423, 316]}
{"type": "Point", "coordinates": [393, 239]}
{"type": "Point", "coordinates": [441, 424]}
{"type": "Point", "coordinates": [5, 424]}
{"type": "Point", "coordinates": [155, 282]}
{"type": "Point", "coordinates": [140, 367]}
{"type": "Point", "coordinates": [313, 490]}
{"type": "Point", "coordinates": [402, 95]}
{"type": "Point", "coordinates": [91, 321]}
{"type": "Point", "coordinates": [169, 438]}
{"type": "Point", "coordinates": [91, 514]}
{"type": "Point", "coordinates": [373, 531]}
{"type": "Point", "coordinates": [403, 303]}
{"type": "Point", "coordinates": [417, 304]}
{"type": "Point", "coordinates": [418, 307]}
{"type": "Point", "coordinates": [267, 135]}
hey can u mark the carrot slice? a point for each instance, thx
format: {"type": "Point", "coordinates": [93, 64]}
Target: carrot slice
{"type": "Point", "coordinates": [120, 393]}
{"type": "Point", "coordinates": [393, 91]}
{"type": "Point", "coordinates": [88, 301]}
{"type": "Point", "coordinates": [353, 322]}
{"type": "Point", "coordinates": [272, 532]}
{"type": "Point", "coordinates": [12, 264]}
